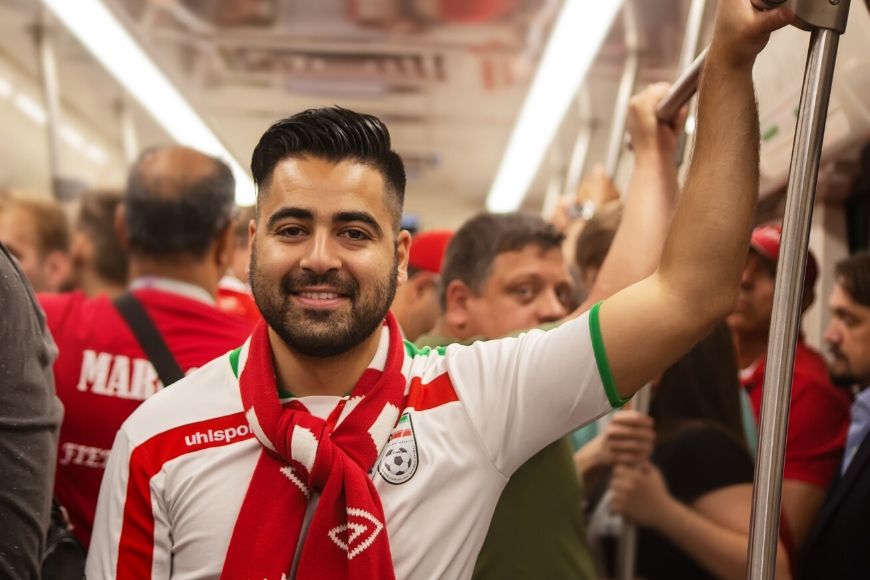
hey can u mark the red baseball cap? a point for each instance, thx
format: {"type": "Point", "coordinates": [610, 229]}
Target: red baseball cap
{"type": "Point", "coordinates": [428, 249]}
{"type": "Point", "coordinates": [766, 241]}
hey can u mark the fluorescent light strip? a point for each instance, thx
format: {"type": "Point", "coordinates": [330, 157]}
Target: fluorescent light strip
{"type": "Point", "coordinates": [574, 42]}
{"type": "Point", "coordinates": [110, 43]}
{"type": "Point", "coordinates": [31, 109]}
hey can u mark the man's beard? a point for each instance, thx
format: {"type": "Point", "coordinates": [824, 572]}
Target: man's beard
{"type": "Point", "coordinates": [843, 376]}
{"type": "Point", "coordinates": [322, 333]}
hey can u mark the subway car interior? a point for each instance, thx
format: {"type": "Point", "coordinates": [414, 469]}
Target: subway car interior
{"type": "Point", "coordinates": [376, 241]}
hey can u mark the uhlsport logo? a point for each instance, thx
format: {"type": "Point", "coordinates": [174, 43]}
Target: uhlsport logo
{"type": "Point", "coordinates": [217, 435]}
{"type": "Point", "coordinates": [399, 461]}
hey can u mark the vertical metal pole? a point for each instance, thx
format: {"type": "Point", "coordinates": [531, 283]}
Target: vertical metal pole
{"type": "Point", "coordinates": [51, 97]}
{"type": "Point", "coordinates": [129, 137]}
{"type": "Point", "coordinates": [627, 555]}
{"type": "Point", "coordinates": [581, 145]}
{"type": "Point", "coordinates": [785, 324]}
{"type": "Point", "coordinates": [628, 539]}
{"type": "Point", "coordinates": [616, 143]}
{"type": "Point", "coordinates": [691, 46]}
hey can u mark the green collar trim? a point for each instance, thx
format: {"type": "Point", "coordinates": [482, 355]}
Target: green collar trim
{"type": "Point", "coordinates": [234, 361]}
{"type": "Point", "coordinates": [601, 360]}
{"type": "Point", "coordinates": [234, 364]}
{"type": "Point", "coordinates": [412, 350]}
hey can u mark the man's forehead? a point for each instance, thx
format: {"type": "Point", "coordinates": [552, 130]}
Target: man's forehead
{"type": "Point", "coordinates": [322, 185]}
{"type": "Point", "coordinates": [530, 260]}
{"type": "Point", "coordinates": [303, 173]}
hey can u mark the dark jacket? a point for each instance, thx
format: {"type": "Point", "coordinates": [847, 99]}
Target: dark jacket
{"type": "Point", "coordinates": [839, 546]}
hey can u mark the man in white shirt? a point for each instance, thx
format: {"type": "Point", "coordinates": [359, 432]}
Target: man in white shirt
{"type": "Point", "coordinates": [327, 448]}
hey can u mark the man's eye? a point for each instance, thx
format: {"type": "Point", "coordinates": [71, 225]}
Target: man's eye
{"type": "Point", "coordinates": [355, 234]}
{"type": "Point", "coordinates": [524, 293]}
{"type": "Point", "coordinates": [290, 231]}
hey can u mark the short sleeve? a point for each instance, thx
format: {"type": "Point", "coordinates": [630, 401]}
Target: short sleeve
{"type": "Point", "coordinates": [698, 460]}
{"type": "Point", "coordinates": [523, 393]}
{"type": "Point", "coordinates": [817, 427]}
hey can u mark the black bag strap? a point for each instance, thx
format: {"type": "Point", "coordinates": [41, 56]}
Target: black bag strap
{"type": "Point", "coordinates": [149, 338]}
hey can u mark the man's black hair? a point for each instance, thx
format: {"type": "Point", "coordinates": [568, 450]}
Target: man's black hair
{"type": "Point", "coordinates": [175, 215]}
{"type": "Point", "coordinates": [333, 134]}
{"type": "Point", "coordinates": [853, 274]}
{"type": "Point", "coordinates": [475, 246]}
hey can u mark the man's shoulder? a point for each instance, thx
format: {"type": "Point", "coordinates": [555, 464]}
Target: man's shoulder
{"type": "Point", "coordinates": [208, 393]}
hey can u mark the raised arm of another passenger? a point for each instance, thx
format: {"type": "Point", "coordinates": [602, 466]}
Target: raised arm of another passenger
{"type": "Point", "coordinates": [649, 325]}
{"type": "Point", "coordinates": [652, 195]}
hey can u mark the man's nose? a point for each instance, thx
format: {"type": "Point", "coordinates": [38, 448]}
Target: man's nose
{"type": "Point", "coordinates": [320, 254]}
{"type": "Point", "coordinates": [550, 308]}
{"type": "Point", "coordinates": [832, 334]}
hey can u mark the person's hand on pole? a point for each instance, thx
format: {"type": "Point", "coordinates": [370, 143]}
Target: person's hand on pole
{"type": "Point", "coordinates": [628, 438]}
{"type": "Point", "coordinates": [639, 493]}
{"type": "Point", "coordinates": [741, 31]}
{"type": "Point", "coordinates": [649, 136]}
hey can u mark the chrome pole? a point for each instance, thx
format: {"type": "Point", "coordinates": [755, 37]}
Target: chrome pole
{"type": "Point", "coordinates": [785, 323]}
{"type": "Point", "coordinates": [50, 96]}
{"type": "Point", "coordinates": [616, 142]}
{"type": "Point", "coordinates": [580, 152]}
{"type": "Point", "coordinates": [682, 90]}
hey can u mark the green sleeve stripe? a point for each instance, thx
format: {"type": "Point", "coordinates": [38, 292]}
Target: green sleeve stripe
{"type": "Point", "coordinates": [601, 360]}
{"type": "Point", "coordinates": [234, 360]}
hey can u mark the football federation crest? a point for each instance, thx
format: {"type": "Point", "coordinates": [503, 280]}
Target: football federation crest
{"type": "Point", "coordinates": [399, 461]}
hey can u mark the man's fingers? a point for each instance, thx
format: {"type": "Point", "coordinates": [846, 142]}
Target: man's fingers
{"type": "Point", "coordinates": [769, 20]}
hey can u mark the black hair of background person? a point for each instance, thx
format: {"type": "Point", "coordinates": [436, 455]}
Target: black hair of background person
{"type": "Point", "coordinates": [177, 217]}
{"type": "Point", "coordinates": [853, 274]}
{"type": "Point", "coordinates": [333, 134]}
{"type": "Point", "coordinates": [475, 246]}
{"type": "Point", "coordinates": [701, 388]}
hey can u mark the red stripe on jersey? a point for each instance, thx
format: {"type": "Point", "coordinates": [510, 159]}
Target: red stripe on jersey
{"type": "Point", "coordinates": [430, 395]}
{"type": "Point", "coordinates": [136, 546]}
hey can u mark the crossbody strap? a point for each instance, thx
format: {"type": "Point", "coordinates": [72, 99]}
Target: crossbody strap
{"type": "Point", "coordinates": [149, 338]}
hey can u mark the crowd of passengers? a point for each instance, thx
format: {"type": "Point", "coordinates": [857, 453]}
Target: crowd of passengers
{"type": "Point", "coordinates": [173, 242]}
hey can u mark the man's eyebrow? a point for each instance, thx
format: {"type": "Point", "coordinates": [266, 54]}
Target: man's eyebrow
{"type": "Point", "coordinates": [359, 216]}
{"type": "Point", "coordinates": [289, 212]}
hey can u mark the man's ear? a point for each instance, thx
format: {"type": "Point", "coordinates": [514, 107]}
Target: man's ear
{"type": "Point", "coordinates": [225, 245]}
{"type": "Point", "coordinates": [403, 248]}
{"type": "Point", "coordinates": [121, 228]}
{"type": "Point", "coordinates": [56, 270]}
{"type": "Point", "coordinates": [457, 296]}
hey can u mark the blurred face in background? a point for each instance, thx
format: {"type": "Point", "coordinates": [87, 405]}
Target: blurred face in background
{"type": "Point", "coordinates": [751, 316]}
{"type": "Point", "coordinates": [47, 271]}
{"type": "Point", "coordinates": [848, 339]}
{"type": "Point", "coordinates": [525, 289]}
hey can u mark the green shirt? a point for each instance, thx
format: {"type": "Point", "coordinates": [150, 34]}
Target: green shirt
{"type": "Point", "coordinates": [538, 529]}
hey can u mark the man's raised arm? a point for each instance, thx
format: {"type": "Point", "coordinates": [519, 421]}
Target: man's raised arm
{"type": "Point", "coordinates": [649, 325]}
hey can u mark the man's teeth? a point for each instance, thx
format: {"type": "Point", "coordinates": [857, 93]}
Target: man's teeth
{"type": "Point", "coordinates": [319, 295]}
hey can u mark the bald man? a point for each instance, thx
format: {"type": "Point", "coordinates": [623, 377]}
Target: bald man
{"type": "Point", "coordinates": [176, 222]}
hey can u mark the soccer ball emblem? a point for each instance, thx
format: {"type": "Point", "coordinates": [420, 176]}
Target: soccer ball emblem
{"type": "Point", "coordinates": [397, 461]}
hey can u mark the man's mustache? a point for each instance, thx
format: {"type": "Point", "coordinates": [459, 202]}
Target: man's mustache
{"type": "Point", "coordinates": [295, 282]}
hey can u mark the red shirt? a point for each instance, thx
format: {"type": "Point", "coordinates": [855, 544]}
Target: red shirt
{"type": "Point", "coordinates": [102, 375]}
{"type": "Point", "coordinates": [818, 418]}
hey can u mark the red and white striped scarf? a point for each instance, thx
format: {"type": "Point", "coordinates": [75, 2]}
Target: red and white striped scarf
{"type": "Point", "coordinates": [303, 454]}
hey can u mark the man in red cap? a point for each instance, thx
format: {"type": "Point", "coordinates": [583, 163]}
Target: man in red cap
{"type": "Point", "coordinates": [819, 414]}
{"type": "Point", "coordinates": [416, 304]}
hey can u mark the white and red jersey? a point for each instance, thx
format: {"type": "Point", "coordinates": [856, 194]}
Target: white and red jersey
{"type": "Point", "coordinates": [102, 374]}
{"type": "Point", "coordinates": [181, 464]}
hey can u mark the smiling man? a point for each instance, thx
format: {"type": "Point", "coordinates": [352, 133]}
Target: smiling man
{"type": "Point", "coordinates": [325, 447]}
